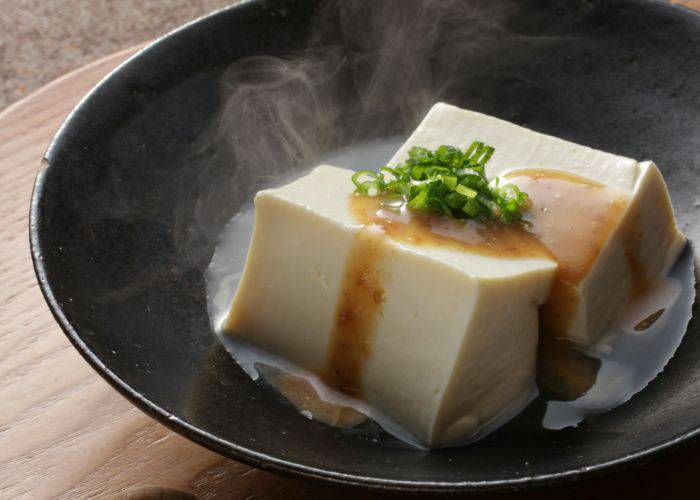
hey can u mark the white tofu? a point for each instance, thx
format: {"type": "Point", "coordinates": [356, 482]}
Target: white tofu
{"type": "Point", "coordinates": [455, 344]}
{"type": "Point", "coordinates": [647, 241]}
{"type": "Point", "coordinates": [516, 147]}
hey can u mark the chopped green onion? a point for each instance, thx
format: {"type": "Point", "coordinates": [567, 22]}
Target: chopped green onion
{"type": "Point", "coordinates": [420, 200]}
{"type": "Point", "coordinates": [465, 191]}
{"type": "Point", "coordinates": [446, 181]}
{"type": "Point", "coordinates": [471, 207]}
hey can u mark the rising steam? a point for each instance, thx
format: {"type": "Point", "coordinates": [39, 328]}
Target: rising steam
{"type": "Point", "coordinates": [370, 70]}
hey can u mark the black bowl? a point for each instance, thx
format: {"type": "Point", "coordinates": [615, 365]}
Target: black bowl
{"type": "Point", "coordinates": [149, 167]}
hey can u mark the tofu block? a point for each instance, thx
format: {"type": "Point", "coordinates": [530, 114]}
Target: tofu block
{"type": "Point", "coordinates": [517, 147]}
{"type": "Point", "coordinates": [453, 344]}
{"type": "Point", "coordinates": [646, 242]}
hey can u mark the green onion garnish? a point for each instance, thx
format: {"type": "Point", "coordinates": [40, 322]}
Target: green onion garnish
{"type": "Point", "coordinates": [446, 181]}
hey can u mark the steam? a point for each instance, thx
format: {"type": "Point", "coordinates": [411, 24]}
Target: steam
{"type": "Point", "coordinates": [371, 69]}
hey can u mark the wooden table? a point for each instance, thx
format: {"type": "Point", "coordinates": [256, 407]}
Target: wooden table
{"type": "Point", "coordinates": [65, 433]}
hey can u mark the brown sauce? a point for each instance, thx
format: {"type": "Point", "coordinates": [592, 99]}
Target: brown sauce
{"type": "Point", "coordinates": [646, 323]}
{"type": "Point", "coordinates": [565, 371]}
{"type": "Point", "coordinates": [421, 229]}
{"type": "Point", "coordinates": [570, 220]}
{"type": "Point", "coordinates": [573, 217]}
{"type": "Point", "coordinates": [360, 301]}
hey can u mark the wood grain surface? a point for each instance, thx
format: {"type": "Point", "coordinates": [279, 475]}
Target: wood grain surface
{"type": "Point", "coordinates": [65, 433]}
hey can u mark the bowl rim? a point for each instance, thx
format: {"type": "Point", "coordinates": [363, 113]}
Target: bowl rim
{"type": "Point", "coordinates": [245, 454]}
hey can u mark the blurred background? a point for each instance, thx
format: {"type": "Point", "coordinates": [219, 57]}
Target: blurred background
{"type": "Point", "coordinates": [41, 40]}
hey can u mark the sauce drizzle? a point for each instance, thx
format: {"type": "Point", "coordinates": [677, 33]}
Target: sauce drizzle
{"type": "Point", "coordinates": [360, 301]}
{"type": "Point", "coordinates": [422, 229]}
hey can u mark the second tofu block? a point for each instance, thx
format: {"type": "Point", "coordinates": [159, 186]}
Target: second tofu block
{"type": "Point", "coordinates": [645, 243]}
